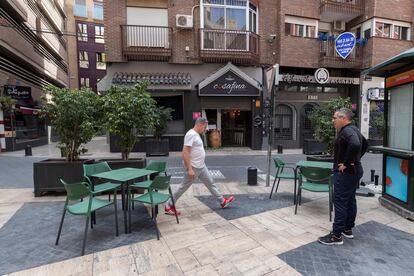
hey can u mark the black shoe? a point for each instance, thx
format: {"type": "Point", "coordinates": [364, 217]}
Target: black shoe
{"type": "Point", "coordinates": [348, 234]}
{"type": "Point", "coordinates": [331, 239]}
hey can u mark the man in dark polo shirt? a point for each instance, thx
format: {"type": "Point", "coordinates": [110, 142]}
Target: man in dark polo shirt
{"type": "Point", "coordinates": [350, 146]}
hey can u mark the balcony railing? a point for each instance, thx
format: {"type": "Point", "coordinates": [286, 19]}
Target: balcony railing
{"type": "Point", "coordinates": [345, 10]}
{"type": "Point", "coordinates": [328, 57]}
{"type": "Point", "coordinates": [146, 42]}
{"type": "Point", "coordinates": [240, 47]}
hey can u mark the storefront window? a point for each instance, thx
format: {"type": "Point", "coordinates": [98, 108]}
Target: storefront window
{"type": "Point", "coordinates": [283, 122]}
{"type": "Point", "coordinates": [28, 125]}
{"type": "Point", "coordinates": [176, 125]}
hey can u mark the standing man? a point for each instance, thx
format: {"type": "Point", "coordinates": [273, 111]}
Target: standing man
{"type": "Point", "coordinates": [194, 165]}
{"type": "Point", "coordinates": [350, 146]}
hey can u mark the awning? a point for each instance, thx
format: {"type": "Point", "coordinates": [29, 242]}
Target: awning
{"type": "Point", "coordinates": [156, 80]}
{"type": "Point", "coordinates": [28, 110]}
{"type": "Point", "coordinates": [393, 64]}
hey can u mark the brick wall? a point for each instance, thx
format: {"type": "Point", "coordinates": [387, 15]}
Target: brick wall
{"type": "Point", "coordinates": [114, 17]}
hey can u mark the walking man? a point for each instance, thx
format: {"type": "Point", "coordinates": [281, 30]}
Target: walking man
{"type": "Point", "coordinates": [350, 146]}
{"type": "Point", "coordinates": [194, 165]}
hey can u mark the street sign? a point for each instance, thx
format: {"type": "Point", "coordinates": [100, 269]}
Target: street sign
{"type": "Point", "coordinates": [344, 44]}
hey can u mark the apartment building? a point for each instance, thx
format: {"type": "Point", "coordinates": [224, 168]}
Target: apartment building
{"type": "Point", "coordinates": [33, 53]}
{"type": "Point", "coordinates": [209, 57]}
{"type": "Point", "coordinates": [87, 58]}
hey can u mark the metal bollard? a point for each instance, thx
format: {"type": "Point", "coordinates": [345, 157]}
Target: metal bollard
{"type": "Point", "coordinates": [279, 149]}
{"type": "Point", "coordinates": [28, 150]}
{"type": "Point", "coordinates": [376, 180]}
{"type": "Point", "coordinates": [252, 176]}
{"type": "Point", "coordinates": [372, 175]}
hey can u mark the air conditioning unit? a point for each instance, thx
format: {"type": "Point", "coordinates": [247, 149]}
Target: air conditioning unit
{"type": "Point", "coordinates": [339, 25]}
{"type": "Point", "coordinates": [184, 21]}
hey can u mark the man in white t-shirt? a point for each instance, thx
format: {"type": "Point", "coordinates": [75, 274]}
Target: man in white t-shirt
{"type": "Point", "coordinates": [194, 165]}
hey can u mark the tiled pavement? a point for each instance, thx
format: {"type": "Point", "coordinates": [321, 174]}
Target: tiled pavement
{"type": "Point", "coordinates": [206, 243]}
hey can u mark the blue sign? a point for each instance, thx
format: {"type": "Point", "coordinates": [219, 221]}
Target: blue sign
{"type": "Point", "coordinates": [344, 44]}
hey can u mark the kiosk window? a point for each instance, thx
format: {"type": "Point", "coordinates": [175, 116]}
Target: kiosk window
{"type": "Point", "coordinates": [400, 118]}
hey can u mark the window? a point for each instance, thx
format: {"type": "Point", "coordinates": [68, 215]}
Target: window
{"type": "Point", "coordinates": [82, 32]}
{"type": "Point", "coordinates": [97, 10]}
{"type": "Point", "coordinates": [83, 59]}
{"type": "Point", "coordinates": [84, 82]}
{"type": "Point", "coordinates": [253, 18]}
{"type": "Point", "coordinates": [382, 29]}
{"type": "Point", "coordinates": [367, 33]}
{"type": "Point", "coordinates": [80, 8]}
{"type": "Point", "coordinates": [300, 30]}
{"type": "Point", "coordinates": [330, 89]}
{"type": "Point", "coordinates": [283, 122]}
{"type": "Point", "coordinates": [400, 32]}
{"type": "Point", "coordinates": [101, 61]}
{"type": "Point", "coordinates": [225, 24]}
{"type": "Point", "coordinates": [99, 34]}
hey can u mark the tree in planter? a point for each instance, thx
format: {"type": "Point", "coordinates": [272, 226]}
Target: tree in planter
{"type": "Point", "coordinates": [129, 112]}
{"type": "Point", "coordinates": [7, 103]}
{"type": "Point", "coordinates": [321, 119]}
{"type": "Point", "coordinates": [76, 116]}
{"type": "Point", "coordinates": [163, 115]}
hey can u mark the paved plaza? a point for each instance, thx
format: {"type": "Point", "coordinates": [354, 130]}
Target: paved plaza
{"type": "Point", "coordinates": [254, 236]}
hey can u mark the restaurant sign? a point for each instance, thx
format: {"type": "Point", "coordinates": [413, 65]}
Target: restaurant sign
{"type": "Point", "coordinates": [18, 92]}
{"type": "Point", "coordinates": [291, 78]}
{"type": "Point", "coordinates": [229, 84]}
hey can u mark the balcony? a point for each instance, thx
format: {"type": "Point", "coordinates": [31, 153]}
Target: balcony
{"type": "Point", "coordinates": [328, 57]}
{"type": "Point", "coordinates": [340, 10]}
{"type": "Point", "coordinates": [150, 43]}
{"type": "Point", "coordinates": [221, 46]}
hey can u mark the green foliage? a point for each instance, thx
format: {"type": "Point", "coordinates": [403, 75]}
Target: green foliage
{"type": "Point", "coordinates": [163, 114]}
{"type": "Point", "coordinates": [76, 116]}
{"type": "Point", "coordinates": [7, 102]}
{"type": "Point", "coordinates": [321, 119]}
{"type": "Point", "coordinates": [129, 112]}
{"type": "Point", "coordinates": [379, 124]}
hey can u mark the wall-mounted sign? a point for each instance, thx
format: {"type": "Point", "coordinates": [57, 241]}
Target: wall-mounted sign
{"type": "Point", "coordinates": [18, 92]}
{"type": "Point", "coordinates": [229, 84]}
{"type": "Point", "coordinates": [344, 44]}
{"type": "Point", "coordinates": [321, 75]}
{"type": "Point", "coordinates": [291, 78]}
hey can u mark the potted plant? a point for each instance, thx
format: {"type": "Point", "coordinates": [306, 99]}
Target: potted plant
{"type": "Point", "coordinates": [76, 116]}
{"type": "Point", "coordinates": [159, 146]}
{"type": "Point", "coordinates": [6, 107]}
{"type": "Point", "coordinates": [129, 113]}
{"type": "Point", "coordinates": [324, 131]}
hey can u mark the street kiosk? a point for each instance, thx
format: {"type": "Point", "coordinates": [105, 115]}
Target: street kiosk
{"type": "Point", "coordinates": [398, 147]}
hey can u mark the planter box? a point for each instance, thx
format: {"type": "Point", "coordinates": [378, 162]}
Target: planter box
{"type": "Point", "coordinates": [46, 174]}
{"type": "Point", "coordinates": [157, 147]}
{"type": "Point", "coordinates": [311, 146]}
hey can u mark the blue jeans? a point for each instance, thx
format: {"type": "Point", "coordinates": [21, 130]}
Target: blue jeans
{"type": "Point", "coordinates": [344, 201]}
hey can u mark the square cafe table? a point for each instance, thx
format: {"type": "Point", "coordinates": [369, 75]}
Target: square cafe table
{"type": "Point", "coordinates": [124, 176]}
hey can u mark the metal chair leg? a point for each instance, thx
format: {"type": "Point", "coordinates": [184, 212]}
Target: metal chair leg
{"type": "Point", "coordinates": [60, 226]}
{"type": "Point", "coordinates": [129, 210]}
{"type": "Point", "coordinates": [116, 215]}
{"type": "Point", "coordinates": [273, 186]}
{"type": "Point", "coordinates": [84, 235]}
{"type": "Point", "coordinates": [155, 220]}
{"type": "Point", "coordinates": [297, 201]}
{"type": "Point", "coordinates": [173, 202]}
{"type": "Point", "coordinates": [277, 186]}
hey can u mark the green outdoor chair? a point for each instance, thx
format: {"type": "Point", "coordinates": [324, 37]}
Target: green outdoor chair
{"type": "Point", "coordinates": [91, 169]}
{"type": "Point", "coordinates": [315, 180]}
{"type": "Point", "coordinates": [159, 166]}
{"type": "Point", "coordinates": [280, 174]}
{"type": "Point", "coordinates": [154, 197]}
{"type": "Point", "coordinates": [88, 204]}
